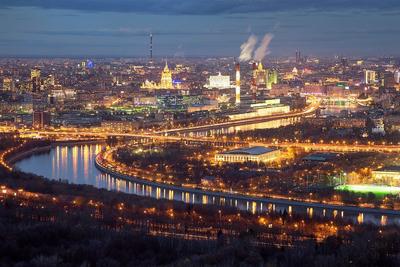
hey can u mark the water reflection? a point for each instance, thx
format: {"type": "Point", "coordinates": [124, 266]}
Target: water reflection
{"type": "Point", "coordinates": [243, 128]}
{"type": "Point", "coordinates": [76, 165]}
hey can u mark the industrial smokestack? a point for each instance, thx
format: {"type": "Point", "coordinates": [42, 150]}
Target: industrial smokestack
{"type": "Point", "coordinates": [237, 85]}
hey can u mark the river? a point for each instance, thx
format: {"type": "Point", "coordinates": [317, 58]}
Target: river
{"type": "Point", "coordinates": [76, 165]}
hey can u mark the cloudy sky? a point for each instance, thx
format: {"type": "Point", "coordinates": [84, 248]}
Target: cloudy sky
{"type": "Point", "coordinates": [198, 27]}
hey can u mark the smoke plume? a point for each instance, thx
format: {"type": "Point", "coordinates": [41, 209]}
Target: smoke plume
{"type": "Point", "coordinates": [247, 48]}
{"type": "Point", "coordinates": [262, 50]}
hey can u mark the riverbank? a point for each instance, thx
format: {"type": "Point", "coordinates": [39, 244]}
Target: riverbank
{"type": "Point", "coordinates": [225, 197]}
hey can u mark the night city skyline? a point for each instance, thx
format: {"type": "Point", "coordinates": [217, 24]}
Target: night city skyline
{"type": "Point", "coordinates": [199, 133]}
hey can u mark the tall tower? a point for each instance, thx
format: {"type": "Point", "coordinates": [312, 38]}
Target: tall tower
{"type": "Point", "coordinates": [237, 85]}
{"type": "Point", "coordinates": [298, 57]}
{"type": "Point", "coordinates": [166, 78]}
{"type": "Point", "coordinates": [35, 80]}
{"type": "Point", "coordinates": [151, 48]}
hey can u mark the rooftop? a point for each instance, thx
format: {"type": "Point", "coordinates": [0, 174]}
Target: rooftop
{"type": "Point", "coordinates": [255, 150]}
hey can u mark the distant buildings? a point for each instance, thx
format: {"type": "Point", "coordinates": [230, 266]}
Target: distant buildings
{"type": "Point", "coordinates": [256, 154]}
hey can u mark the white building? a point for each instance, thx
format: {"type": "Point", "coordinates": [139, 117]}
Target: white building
{"type": "Point", "coordinates": [397, 76]}
{"type": "Point", "coordinates": [256, 154]}
{"type": "Point", "coordinates": [267, 108]}
{"type": "Point", "coordinates": [219, 81]}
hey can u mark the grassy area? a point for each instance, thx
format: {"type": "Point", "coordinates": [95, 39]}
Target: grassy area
{"type": "Point", "coordinates": [378, 190]}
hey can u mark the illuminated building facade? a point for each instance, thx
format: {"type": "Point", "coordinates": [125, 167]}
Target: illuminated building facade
{"type": "Point", "coordinates": [260, 76]}
{"type": "Point", "coordinates": [165, 83]}
{"type": "Point", "coordinates": [369, 77]}
{"type": "Point", "coordinates": [219, 81]}
{"type": "Point", "coordinates": [397, 76]}
{"type": "Point", "coordinates": [35, 80]}
{"type": "Point", "coordinates": [255, 154]}
{"type": "Point", "coordinates": [166, 78]}
{"type": "Point", "coordinates": [269, 107]}
{"type": "Point", "coordinates": [271, 78]}
{"type": "Point", "coordinates": [8, 84]}
{"type": "Point", "coordinates": [387, 176]}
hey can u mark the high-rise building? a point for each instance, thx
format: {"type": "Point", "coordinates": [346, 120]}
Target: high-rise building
{"type": "Point", "coordinates": [369, 76]}
{"type": "Point", "coordinates": [260, 76]}
{"type": "Point", "coordinates": [40, 119]}
{"type": "Point", "coordinates": [166, 78]}
{"type": "Point", "coordinates": [397, 76]}
{"type": "Point", "coordinates": [165, 83]}
{"type": "Point", "coordinates": [298, 57]}
{"type": "Point", "coordinates": [35, 79]}
{"type": "Point", "coordinates": [8, 84]}
{"type": "Point", "coordinates": [272, 78]}
{"type": "Point", "coordinates": [388, 80]}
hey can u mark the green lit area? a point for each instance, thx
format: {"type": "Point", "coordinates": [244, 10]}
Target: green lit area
{"type": "Point", "coordinates": [379, 190]}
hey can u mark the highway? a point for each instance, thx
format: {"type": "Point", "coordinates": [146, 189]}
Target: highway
{"type": "Point", "coordinates": [308, 111]}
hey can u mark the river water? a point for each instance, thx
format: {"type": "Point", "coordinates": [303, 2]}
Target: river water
{"type": "Point", "coordinates": [76, 165]}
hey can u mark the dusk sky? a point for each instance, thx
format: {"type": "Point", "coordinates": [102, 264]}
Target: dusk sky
{"type": "Point", "coordinates": [198, 27]}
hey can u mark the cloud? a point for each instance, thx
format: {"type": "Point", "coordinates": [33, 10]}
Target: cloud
{"type": "Point", "coordinates": [247, 48]}
{"type": "Point", "coordinates": [204, 7]}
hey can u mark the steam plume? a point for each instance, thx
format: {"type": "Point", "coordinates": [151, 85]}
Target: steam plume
{"type": "Point", "coordinates": [262, 50]}
{"type": "Point", "coordinates": [247, 48]}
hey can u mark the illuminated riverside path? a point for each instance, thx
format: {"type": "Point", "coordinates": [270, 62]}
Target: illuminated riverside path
{"type": "Point", "coordinates": [76, 164]}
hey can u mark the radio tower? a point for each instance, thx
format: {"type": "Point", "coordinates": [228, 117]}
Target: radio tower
{"type": "Point", "coordinates": [151, 49]}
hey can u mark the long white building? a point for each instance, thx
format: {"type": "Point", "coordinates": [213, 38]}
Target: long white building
{"type": "Point", "coordinates": [256, 154]}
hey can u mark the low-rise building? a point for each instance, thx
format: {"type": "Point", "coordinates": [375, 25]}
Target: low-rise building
{"type": "Point", "coordinates": [389, 175]}
{"type": "Point", "coordinates": [256, 154]}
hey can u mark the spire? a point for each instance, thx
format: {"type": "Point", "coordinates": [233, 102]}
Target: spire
{"type": "Point", "coordinates": [166, 66]}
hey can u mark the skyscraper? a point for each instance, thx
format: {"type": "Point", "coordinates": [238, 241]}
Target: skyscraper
{"type": "Point", "coordinates": [35, 79]}
{"type": "Point", "coordinates": [166, 78]}
{"type": "Point", "coordinates": [298, 57]}
{"type": "Point", "coordinates": [397, 76]}
{"type": "Point", "coordinates": [369, 77]}
{"type": "Point", "coordinates": [272, 78]}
